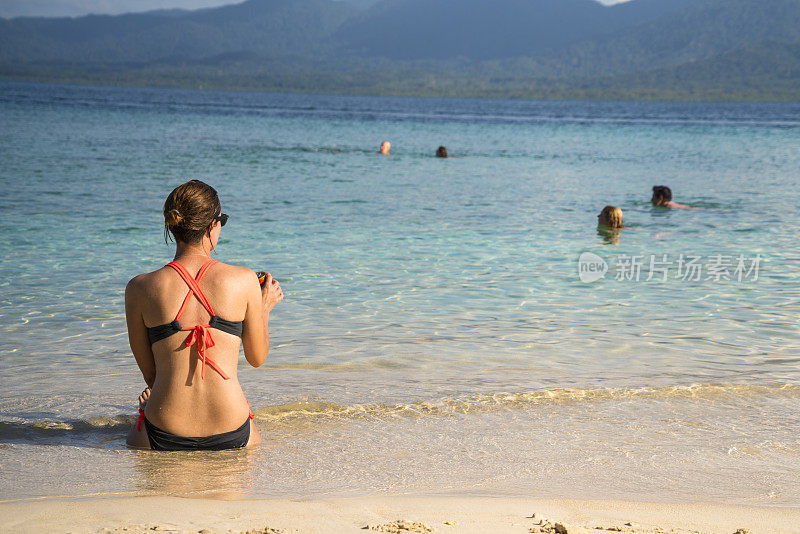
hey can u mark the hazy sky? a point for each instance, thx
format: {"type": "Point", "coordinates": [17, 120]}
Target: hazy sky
{"type": "Point", "coordinates": [73, 8]}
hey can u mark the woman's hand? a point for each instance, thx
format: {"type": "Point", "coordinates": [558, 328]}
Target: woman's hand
{"type": "Point", "coordinates": [143, 398]}
{"type": "Point", "coordinates": [271, 293]}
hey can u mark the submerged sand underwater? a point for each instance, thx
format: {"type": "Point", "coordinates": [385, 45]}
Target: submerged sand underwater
{"type": "Point", "coordinates": [437, 338]}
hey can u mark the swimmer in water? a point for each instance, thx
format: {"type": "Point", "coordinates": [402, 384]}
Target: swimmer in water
{"type": "Point", "coordinates": [662, 197]}
{"type": "Point", "coordinates": [441, 152]}
{"type": "Point", "coordinates": [609, 224]}
{"type": "Point", "coordinates": [610, 218]}
{"type": "Point", "coordinates": [385, 146]}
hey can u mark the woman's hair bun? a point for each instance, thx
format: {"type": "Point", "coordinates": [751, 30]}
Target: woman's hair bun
{"type": "Point", "coordinates": [173, 217]}
{"type": "Point", "coordinates": [189, 211]}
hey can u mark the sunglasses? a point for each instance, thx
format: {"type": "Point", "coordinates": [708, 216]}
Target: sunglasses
{"type": "Point", "coordinates": [222, 218]}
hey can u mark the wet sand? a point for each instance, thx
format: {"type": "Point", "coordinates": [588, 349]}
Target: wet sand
{"type": "Point", "coordinates": [401, 514]}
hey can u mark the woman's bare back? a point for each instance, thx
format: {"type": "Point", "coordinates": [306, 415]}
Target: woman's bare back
{"type": "Point", "coordinates": [190, 398]}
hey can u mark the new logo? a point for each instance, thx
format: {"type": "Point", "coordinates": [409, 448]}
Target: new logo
{"type": "Point", "coordinates": [591, 267]}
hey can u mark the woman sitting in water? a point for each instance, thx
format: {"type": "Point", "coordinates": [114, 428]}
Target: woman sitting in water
{"type": "Point", "coordinates": [662, 197]}
{"type": "Point", "coordinates": [185, 323]}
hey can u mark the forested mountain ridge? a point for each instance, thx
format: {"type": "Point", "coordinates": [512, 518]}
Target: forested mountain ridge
{"type": "Point", "coordinates": [533, 48]}
{"type": "Point", "coordinates": [267, 28]}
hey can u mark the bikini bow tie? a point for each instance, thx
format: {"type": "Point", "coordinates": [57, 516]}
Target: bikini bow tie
{"type": "Point", "coordinates": [201, 336]}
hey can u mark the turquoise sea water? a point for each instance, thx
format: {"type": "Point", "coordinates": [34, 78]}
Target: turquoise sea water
{"type": "Point", "coordinates": [436, 335]}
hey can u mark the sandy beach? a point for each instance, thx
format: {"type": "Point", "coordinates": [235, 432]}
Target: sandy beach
{"type": "Point", "coordinates": [387, 514]}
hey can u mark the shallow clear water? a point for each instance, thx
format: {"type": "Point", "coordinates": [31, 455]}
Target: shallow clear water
{"type": "Point", "coordinates": [436, 335]}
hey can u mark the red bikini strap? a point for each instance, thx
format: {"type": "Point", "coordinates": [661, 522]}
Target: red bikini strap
{"type": "Point", "coordinates": [189, 296]}
{"type": "Point", "coordinates": [194, 288]}
{"type": "Point", "coordinates": [204, 269]}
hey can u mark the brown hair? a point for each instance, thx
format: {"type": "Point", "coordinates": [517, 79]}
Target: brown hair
{"type": "Point", "coordinates": [661, 195]}
{"type": "Point", "coordinates": [441, 152]}
{"type": "Point", "coordinates": [611, 216]}
{"type": "Point", "coordinates": [190, 210]}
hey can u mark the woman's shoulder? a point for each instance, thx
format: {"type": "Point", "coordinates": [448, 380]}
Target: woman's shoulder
{"type": "Point", "coordinates": [235, 274]}
{"type": "Point", "coordinates": [142, 282]}
{"type": "Point", "coordinates": [229, 275]}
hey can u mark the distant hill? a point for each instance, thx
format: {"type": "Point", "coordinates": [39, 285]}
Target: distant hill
{"type": "Point", "coordinates": [701, 30]}
{"type": "Point", "coordinates": [475, 29]}
{"type": "Point", "coordinates": [523, 48]}
{"type": "Point", "coordinates": [748, 71]}
{"type": "Point", "coordinates": [262, 27]}
{"type": "Point", "coordinates": [481, 29]}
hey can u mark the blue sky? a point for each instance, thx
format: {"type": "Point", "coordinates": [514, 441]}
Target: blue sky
{"type": "Point", "coordinates": [73, 8]}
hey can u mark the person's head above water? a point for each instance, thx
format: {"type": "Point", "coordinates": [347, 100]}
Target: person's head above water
{"type": "Point", "coordinates": [611, 216]}
{"type": "Point", "coordinates": [441, 152]}
{"type": "Point", "coordinates": [662, 195]}
{"type": "Point", "coordinates": [385, 146]}
{"type": "Point", "coordinates": [192, 210]}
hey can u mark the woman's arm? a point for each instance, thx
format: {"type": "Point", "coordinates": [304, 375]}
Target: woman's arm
{"type": "Point", "coordinates": [255, 330]}
{"type": "Point", "coordinates": [137, 332]}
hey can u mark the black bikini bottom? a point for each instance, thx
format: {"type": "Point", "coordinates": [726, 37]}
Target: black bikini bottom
{"type": "Point", "coordinates": [164, 441]}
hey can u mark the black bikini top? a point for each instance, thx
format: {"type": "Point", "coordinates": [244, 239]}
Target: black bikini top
{"type": "Point", "coordinates": [163, 331]}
